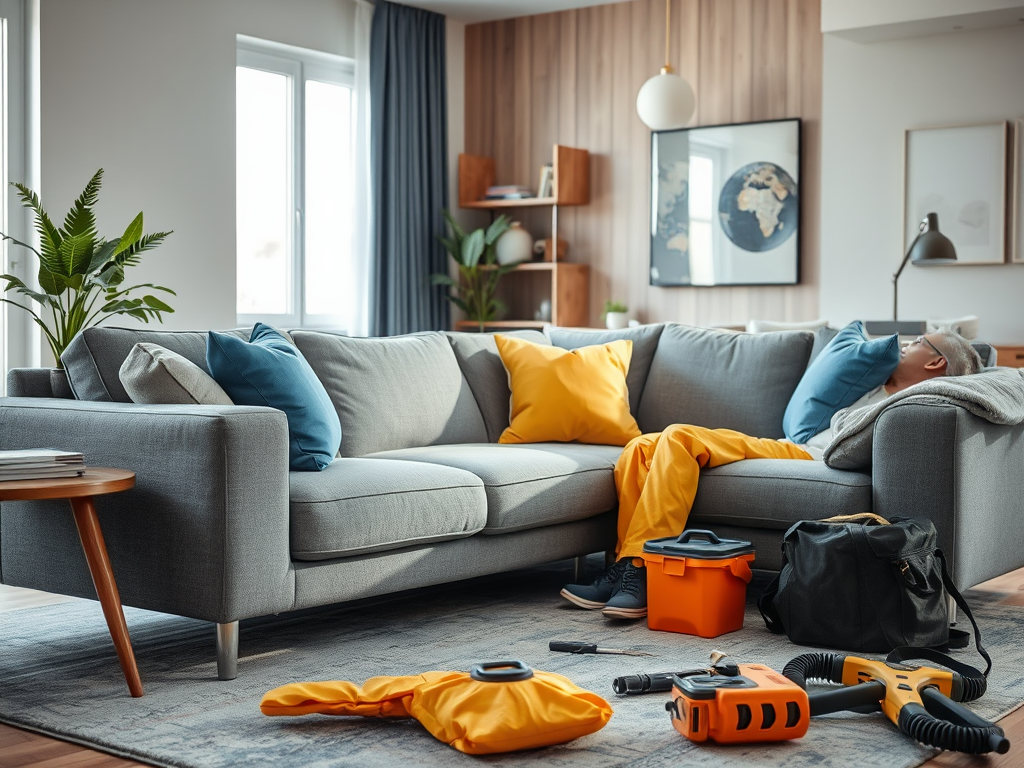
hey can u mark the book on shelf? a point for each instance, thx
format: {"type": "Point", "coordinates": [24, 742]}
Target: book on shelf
{"type": "Point", "coordinates": [40, 463]}
{"type": "Point", "coordinates": [544, 186]}
{"type": "Point", "coordinates": [508, 192]}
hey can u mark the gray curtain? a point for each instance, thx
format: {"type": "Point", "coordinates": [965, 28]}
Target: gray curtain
{"type": "Point", "coordinates": [409, 156]}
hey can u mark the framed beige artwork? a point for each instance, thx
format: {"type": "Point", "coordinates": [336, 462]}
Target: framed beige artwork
{"type": "Point", "coordinates": [959, 173]}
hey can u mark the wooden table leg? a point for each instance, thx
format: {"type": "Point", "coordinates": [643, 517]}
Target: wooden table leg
{"type": "Point", "coordinates": [106, 588]}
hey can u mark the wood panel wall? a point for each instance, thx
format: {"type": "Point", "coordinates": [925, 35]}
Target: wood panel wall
{"type": "Point", "coordinates": [572, 78]}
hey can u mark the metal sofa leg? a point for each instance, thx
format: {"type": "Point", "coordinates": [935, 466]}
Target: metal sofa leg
{"type": "Point", "coordinates": [227, 651]}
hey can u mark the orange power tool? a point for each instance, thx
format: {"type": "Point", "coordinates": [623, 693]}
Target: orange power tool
{"type": "Point", "coordinates": [921, 701]}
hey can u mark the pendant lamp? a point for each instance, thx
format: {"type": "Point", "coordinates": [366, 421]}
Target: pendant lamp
{"type": "Point", "coordinates": [665, 101]}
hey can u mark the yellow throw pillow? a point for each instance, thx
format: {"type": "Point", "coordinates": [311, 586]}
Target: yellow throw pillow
{"type": "Point", "coordinates": [560, 395]}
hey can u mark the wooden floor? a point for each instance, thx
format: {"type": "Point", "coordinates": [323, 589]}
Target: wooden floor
{"type": "Point", "coordinates": [24, 749]}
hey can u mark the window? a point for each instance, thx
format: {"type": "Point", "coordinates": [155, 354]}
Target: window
{"type": "Point", "coordinates": [294, 184]}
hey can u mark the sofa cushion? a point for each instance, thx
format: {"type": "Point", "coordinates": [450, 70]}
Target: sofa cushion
{"type": "Point", "coordinates": [645, 342]}
{"type": "Point", "coordinates": [775, 493]}
{"type": "Point", "coordinates": [356, 506]}
{"type": "Point", "coordinates": [719, 379]}
{"type": "Point", "coordinates": [481, 364]}
{"type": "Point", "coordinates": [529, 486]}
{"type": "Point", "coordinates": [395, 392]}
{"type": "Point", "coordinates": [269, 370]}
{"type": "Point", "coordinates": [563, 396]}
{"type": "Point", "coordinates": [154, 375]}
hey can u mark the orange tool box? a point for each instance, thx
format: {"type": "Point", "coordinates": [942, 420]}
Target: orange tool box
{"type": "Point", "coordinates": [758, 704]}
{"type": "Point", "coordinates": [697, 583]}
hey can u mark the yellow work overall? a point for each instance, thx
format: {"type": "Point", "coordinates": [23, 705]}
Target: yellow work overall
{"type": "Point", "coordinates": [656, 477]}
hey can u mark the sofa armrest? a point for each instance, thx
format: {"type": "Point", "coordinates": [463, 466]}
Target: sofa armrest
{"type": "Point", "coordinates": [966, 474]}
{"type": "Point", "coordinates": [204, 532]}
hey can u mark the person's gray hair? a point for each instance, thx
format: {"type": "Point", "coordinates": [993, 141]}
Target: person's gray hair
{"type": "Point", "coordinates": [961, 357]}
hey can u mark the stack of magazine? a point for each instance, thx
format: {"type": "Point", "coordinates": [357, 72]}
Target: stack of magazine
{"type": "Point", "coordinates": [40, 463]}
{"type": "Point", "coordinates": [508, 192]}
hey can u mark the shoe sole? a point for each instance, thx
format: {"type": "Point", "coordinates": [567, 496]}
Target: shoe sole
{"type": "Point", "coordinates": [590, 605]}
{"type": "Point", "coordinates": [624, 613]}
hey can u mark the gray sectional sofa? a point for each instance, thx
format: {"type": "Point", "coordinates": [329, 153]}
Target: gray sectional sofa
{"type": "Point", "coordinates": [218, 529]}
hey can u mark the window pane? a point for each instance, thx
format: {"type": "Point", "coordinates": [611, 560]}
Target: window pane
{"type": "Point", "coordinates": [263, 198]}
{"type": "Point", "coordinates": [328, 209]}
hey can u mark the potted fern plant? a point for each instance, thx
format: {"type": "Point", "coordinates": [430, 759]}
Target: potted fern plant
{"type": "Point", "coordinates": [81, 275]}
{"type": "Point", "coordinates": [475, 290]}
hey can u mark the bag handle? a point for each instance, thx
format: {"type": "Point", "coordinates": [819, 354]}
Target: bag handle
{"type": "Point", "coordinates": [860, 517]}
{"type": "Point", "coordinates": [947, 582]}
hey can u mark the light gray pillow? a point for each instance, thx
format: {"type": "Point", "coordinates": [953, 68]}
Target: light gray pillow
{"type": "Point", "coordinates": [154, 375]}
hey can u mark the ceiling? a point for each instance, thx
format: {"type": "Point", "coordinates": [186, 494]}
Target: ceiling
{"type": "Point", "coordinates": [473, 11]}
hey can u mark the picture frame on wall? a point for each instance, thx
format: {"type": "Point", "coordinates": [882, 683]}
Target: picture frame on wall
{"type": "Point", "coordinates": [725, 205]}
{"type": "Point", "coordinates": [959, 173]}
{"type": "Point", "coordinates": [1017, 190]}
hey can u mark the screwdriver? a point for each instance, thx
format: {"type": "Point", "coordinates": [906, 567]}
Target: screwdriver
{"type": "Point", "coordinates": [578, 646]}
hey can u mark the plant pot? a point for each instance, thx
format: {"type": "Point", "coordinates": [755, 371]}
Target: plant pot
{"type": "Point", "coordinates": [59, 384]}
{"type": "Point", "coordinates": [616, 321]}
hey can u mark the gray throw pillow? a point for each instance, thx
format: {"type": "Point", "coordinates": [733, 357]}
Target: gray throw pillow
{"type": "Point", "coordinates": [154, 375]}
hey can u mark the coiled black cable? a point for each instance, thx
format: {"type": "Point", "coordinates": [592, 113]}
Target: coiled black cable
{"type": "Point", "coordinates": [917, 723]}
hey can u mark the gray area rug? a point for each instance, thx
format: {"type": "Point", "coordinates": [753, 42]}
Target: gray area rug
{"type": "Point", "coordinates": [59, 676]}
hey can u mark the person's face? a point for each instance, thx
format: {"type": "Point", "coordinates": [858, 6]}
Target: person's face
{"type": "Point", "coordinates": [924, 354]}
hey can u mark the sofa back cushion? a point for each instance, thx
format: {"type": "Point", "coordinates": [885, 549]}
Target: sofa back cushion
{"type": "Point", "coordinates": [645, 342]}
{"type": "Point", "coordinates": [719, 379]}
{"type": "Point", "coordinates": [94, 357]}
{"type": "Point", "coordinates": [481, 364]}
{"type": "Point", "coordinates": [396, 392]}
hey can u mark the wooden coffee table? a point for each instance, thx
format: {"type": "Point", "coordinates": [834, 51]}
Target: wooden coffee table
{"type": "Point", "coordinates": [80, 491]}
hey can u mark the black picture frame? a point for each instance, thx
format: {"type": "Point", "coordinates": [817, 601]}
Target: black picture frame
{"type": "Point", "coordinates": [726, 205]}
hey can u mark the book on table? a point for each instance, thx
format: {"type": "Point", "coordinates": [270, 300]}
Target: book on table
{"type": "Point", "coordinates": [40, 463]}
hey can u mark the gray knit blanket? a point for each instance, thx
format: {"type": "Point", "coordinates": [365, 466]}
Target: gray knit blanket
{"type": "Point", "coordinates": [995, 394]}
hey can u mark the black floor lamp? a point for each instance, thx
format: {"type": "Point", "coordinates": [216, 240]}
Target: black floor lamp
{"type": "Point", "coordinates": [930, 247]}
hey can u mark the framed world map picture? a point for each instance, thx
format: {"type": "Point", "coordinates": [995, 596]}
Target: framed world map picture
{"type": "Point", "coordinates": [725, 205]}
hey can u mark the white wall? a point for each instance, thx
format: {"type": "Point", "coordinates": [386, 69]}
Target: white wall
{"type": "Point", "coordinates": [871, 94]}
{"type": "Point", "coordinates": [146, 90]}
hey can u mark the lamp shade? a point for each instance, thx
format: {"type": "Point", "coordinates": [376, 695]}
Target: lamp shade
{"type": "Point", "coordinates": [931, 246]}
{"type": "Point", "coordinates": [665, 102]}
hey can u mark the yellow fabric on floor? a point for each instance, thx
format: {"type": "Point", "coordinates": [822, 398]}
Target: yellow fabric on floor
{"type": "Point", "coordinates": [656, 477]}
{"type": "Point", "coordinates": [473, 716]}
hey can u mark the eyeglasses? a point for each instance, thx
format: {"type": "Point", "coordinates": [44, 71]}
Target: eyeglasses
{"type": "Point", "coordinates": [924, 340]}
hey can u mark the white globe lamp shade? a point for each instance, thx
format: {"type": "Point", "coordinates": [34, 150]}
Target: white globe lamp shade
{"type": "Point", "coordinates": [665, 102]}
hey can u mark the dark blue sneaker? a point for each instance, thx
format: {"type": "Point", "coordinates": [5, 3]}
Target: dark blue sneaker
{"type": "Point", "coordinates": [630, 600]}
{"type": "Point", "coordinates": [593, 596]}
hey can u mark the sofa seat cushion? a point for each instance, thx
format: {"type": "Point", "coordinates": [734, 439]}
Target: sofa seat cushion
{"type": "Point", "coordinates": [775, 493]}
{"type": "Point", "coordinates": [357, 506]}
{"type": "Point", "coordinates": [532, 485]}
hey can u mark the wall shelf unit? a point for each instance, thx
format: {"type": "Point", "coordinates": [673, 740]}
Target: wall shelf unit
{"type": "Point", "coordinates": [564, 284]}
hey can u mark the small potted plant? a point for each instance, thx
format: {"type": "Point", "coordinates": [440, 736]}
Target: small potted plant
{"type": "Point", "coordinates": [474, 292]}
{"type": "Point", "coordinates": [79, 270]}
{"type": "Point", "coordinates": [616, 315]}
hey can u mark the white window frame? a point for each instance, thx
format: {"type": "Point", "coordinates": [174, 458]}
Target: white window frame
{"type": "Point", "coordinates": [299, 65]}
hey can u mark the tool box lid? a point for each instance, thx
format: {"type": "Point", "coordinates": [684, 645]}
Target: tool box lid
{"type": "Point", "coordinates": [700, 545]}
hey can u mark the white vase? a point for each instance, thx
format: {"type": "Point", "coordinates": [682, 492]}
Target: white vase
{"type": "Point", "coordinates": [616, 321]}
{"type": "Point", "coordinates": [515, 245]}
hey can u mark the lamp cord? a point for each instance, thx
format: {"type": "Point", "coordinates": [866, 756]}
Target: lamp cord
{"type": "Point", "coordinates": [668, 26]}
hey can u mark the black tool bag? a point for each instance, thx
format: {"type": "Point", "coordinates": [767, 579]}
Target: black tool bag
{"type": "Point", "coordinates": [861, 583]}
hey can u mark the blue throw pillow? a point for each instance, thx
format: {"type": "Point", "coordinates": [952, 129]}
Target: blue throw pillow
{"type": "Point", "coordinates": [848, 368]}
{"type": "Point", "coordinates": [268, 370]}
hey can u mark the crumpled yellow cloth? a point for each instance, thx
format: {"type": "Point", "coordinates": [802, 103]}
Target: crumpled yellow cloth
{"type": "Point", "coordinates": [473, 716]}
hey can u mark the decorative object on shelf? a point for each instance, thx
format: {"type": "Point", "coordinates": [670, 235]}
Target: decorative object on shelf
{"type": "Point", "coordinates": [616, 315]}
{"type": "Point", "coordinates": [745, 231]}
{"type": "Point", "coordinates": [543, 312]}
{"type": "Point", "coordinates": [930, 247]}
{"type": "Point", "coordinates": [665, 101]}
{"type": "Point", "coordinates": [543, 247]}
{"type": "Point", "coordinates": [515, 245]}
{"type": "Point", "coordinates": [1018, 192]}
{"type": "Point", "coordinates": [78, 268]}
{"type": "Point", "coordinates": [959, 173]}
{"type": "Point", "coordinates": [474, 255]}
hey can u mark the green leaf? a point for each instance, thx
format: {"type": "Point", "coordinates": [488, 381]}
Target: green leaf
{"type": "Point", "coordinates": [131, 235]}
{"type": "Point", "coordinates": [457, 231]}
{"type": "Point", "coordinates": [49, 237]}
{"type": "Point", "coordinates": [128, 258]}
{"type": "Point", "coordinates": [154, 303]}
{"type": "Point", "coordinates": [51, 282]}
{"type": "Point", "coordinates": [102, 253]}
{"type": "Point", "coordinates": [459, 303]}
{"type": "Point", "coordinates": [441, 280]}
{"type": "Point", "coordinates": [453, 248]}
{"type": "Point", "coordinates": [80, 219]}
{"type": "Point", "coordinates": [473, 248]}
{"type": "Point", "coordinates": [76, 254]}
{"type": "Point", "coordinates": [498, 227]}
